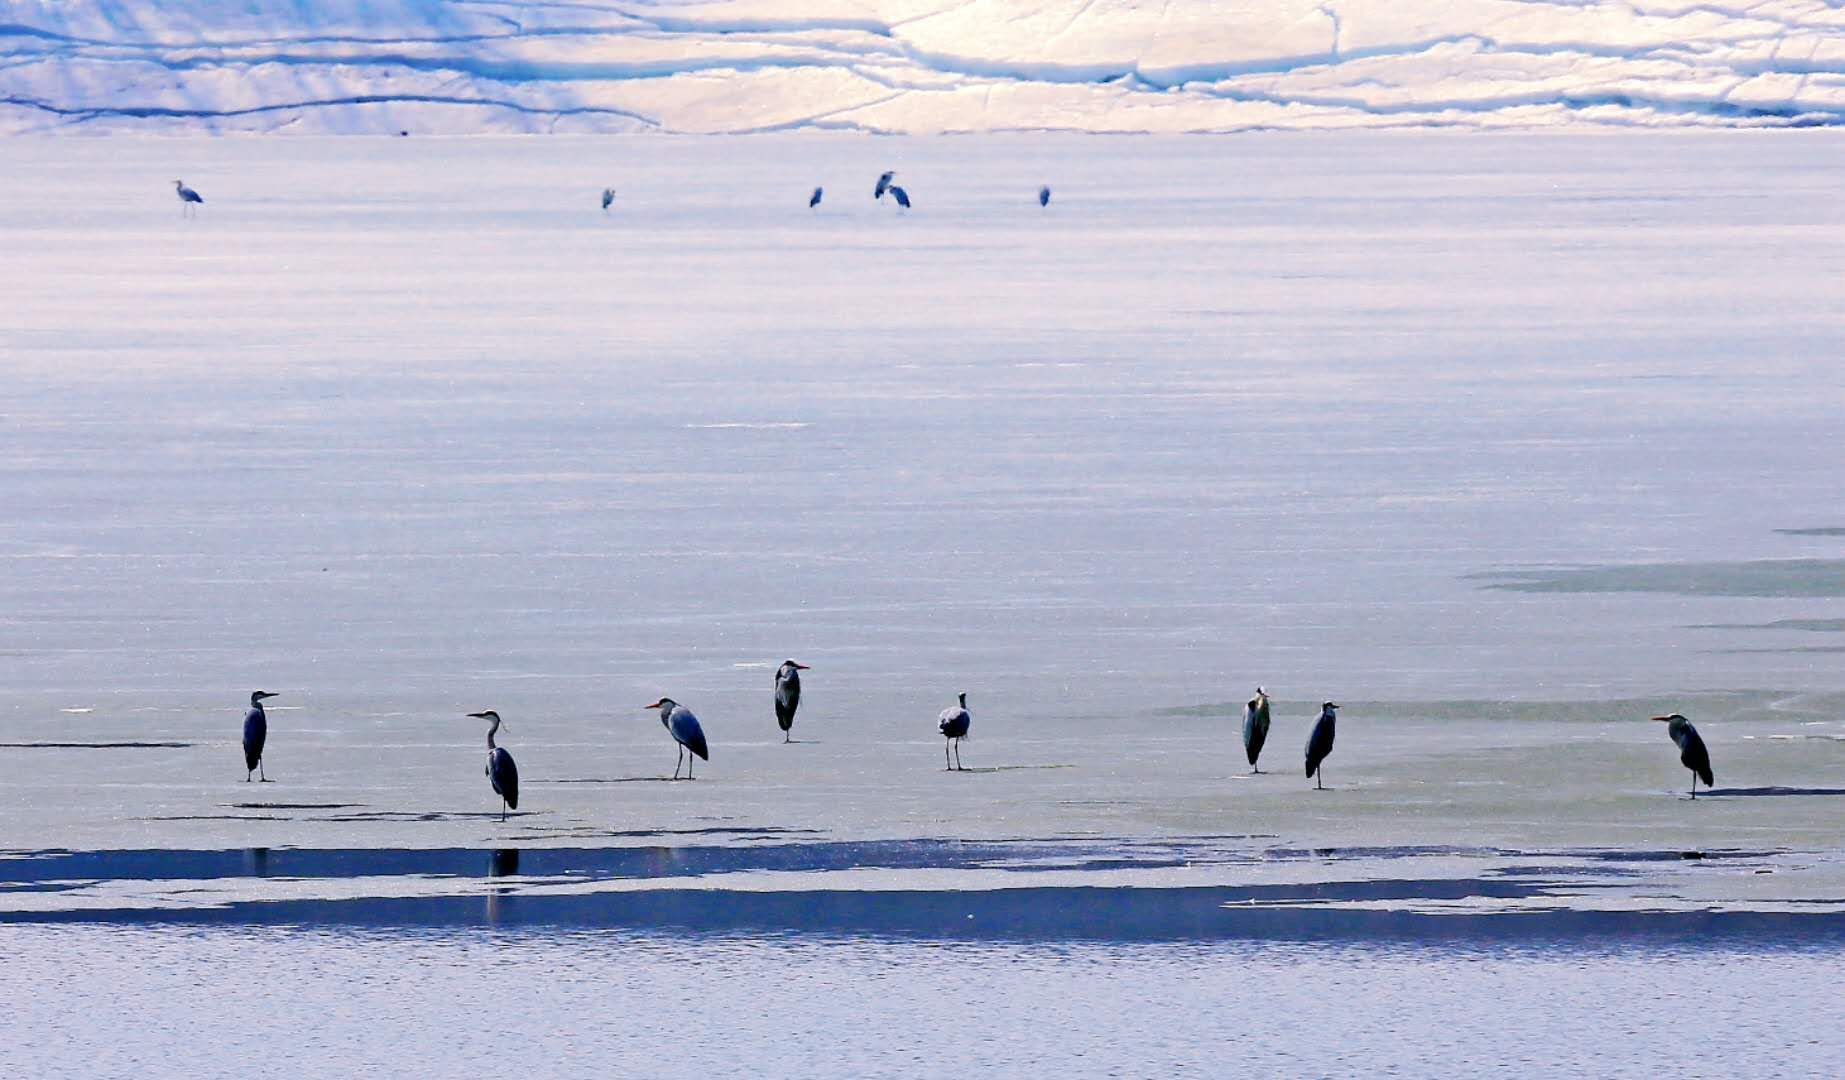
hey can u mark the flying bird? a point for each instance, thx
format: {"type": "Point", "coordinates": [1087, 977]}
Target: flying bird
{"type": "Point", "coordinates": [954, 724]}
{"type": "Point", "coordinates": [1255, 727]}
{"type": "Point", "coordinates": [255, 734]}
{"type": "Point", "coordinates": [902, 196]}
{"type": "Point", "coordinates": [787, 695]}
{"type": "Point", "coordinates": [884, 183]}
{"type": "Point", "coordinates": [188, 198]}
{"type": "Point", "coordinates": [814, 199]}
{"type": "Point", "coordinates": [683, 727]}
{"type": "Point", "coordinates": [501, 772]}
{"type": "Point", "coordinates": [1320, 743]}
{"type": "Point", "coordinates": [1044, 195]}
{"type": "Point", "coordinates": [608, 196]}
{"type": "Point", "coordinates": [1691, 752]}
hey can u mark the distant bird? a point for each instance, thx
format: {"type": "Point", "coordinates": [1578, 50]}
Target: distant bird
{"type": "Point", "coordinates": [1255, 727]}
{"type": "Point", "coordinates": [188, 198]}
{"type": "Point", "coordinates": [501, 772]}
{"type": "Point", "coordinates": [884, 183]}
{"type": "Point", "coordinates": [683, 726]}
{"type": "Point", "coordinates": [1319, 744]}
{"type": "Point", "coordinates": [1691, 752]}
{"type": "Point", "coordinates": [787, 695]}
{"type": "Point", "coordinates": [814, 199]}
{"type": "Point", "coordinates": [902, 196]}
{"type": "Point", "coordinates": [608, 196]}
{"type": "Point", "coordinates": [954, 724]}
{"type": "Point", "coordinates": [255, 734]}
{"type": "Point", "coordinates": [1044, 195]}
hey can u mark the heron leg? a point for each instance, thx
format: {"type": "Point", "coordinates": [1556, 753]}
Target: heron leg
{"type": "Point", "coordinates": [690, 760]}
{"type": "Point", "coordinates": [680, 762]}
{"type": "Point", "coordinates": [260, 774]}
{"type": "Point", "coordinates": [946, 743]}
{"type": "Point", "coordinates": [1694, 785]}
{"type": "Point", "coordinates": [1318, 775]}
{"type": "Point", "coordinates": [958, 766]}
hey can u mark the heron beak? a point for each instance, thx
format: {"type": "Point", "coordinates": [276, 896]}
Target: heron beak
{"type": "Point", "coordinates": [802, 667]}
{"type": "Point", "coordinates": [1662, 719]}
{"type": "Point", "coordinates": [655, 705]}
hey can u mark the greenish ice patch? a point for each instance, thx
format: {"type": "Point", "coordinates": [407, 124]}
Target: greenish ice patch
{"type": "Point", "coordinates": [1761, 578]}
{"type": "Point", "coordinates": [1823, 626]}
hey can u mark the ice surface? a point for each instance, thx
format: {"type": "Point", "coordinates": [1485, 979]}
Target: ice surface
{"type": "Point", "coordinates": [408, 429]}
{"type": "Point", "coordinates": [914, 66]}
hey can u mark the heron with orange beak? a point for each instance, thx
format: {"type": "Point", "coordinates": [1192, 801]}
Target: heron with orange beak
{"type": "Point", "coordinates": [682, 725]}
{"type": "Point", "coordinates": [1691, 752]}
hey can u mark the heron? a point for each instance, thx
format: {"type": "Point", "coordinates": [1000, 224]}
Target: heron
{"type": "Point", "coordinates": [1691, 752]}
{"type": "Point", "coordinates": [608, 196]}
{"type": "Point", "coordinates": [884, 183]}
{"type": "Point", "coordinates": [255, 734]}
{"type": "Point", "coordinates": [814, 199]}
{"type": "Point", "coordinates": [683, 726]}
{"type": "Point", "coordinates": [1044, 195]}
{"type": "Point", "coordinates": [1320, 742]}
{"type": "Point", "coordinates": [1255, 728]}
{"type": "Point", "coordinates": [501, 772]}
{"type": "Point", "coordinates": [954, 724]}
{"type": "Point", "coordinates": [902, 196]}
{"type": "Point", "coordinates": [788, 695]}
{"type": "Point", "coordinates": [188, 198]}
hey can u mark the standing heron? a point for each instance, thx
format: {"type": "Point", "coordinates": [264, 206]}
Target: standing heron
{"type": "Point", "coordinates": [683, 727]}
{"type": "Point", "coordinates": [954, 724]}
{"type": "Point", "coordinates": [1691, 752]}
{"type": "Point", "coordinates": [1319, 744]}
{"type": "Point", "coordinates": [787, 695]}
{"type": "Point", "coordinates": [814, 199]}
{"type": "Point", "coordinates": [902, 196]}
{"type": "Point", "coordinates": [1255, 728]}
{"type": "Point", "coordinates": [884, 183]}
{"type": "Point", "coordinates": [501, 772]}
{"type": "Point", "coordinates": [1044, 195]}
{"type": "Point", "coordinates": [188, 198]}
{"type": "Point", "coordinates": [255, 734]}
{"type": "Point", "coordinates": [608, 197]}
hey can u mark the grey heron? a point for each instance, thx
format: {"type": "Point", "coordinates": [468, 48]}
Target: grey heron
{"type": "Point", "coordinates": [1320, 743]}
{"type": "Point", "coordinates": [188, 198]}
{"type": "Point", "coordinates": [608, 196]}
{"type": "Point", "coordinates": [814, 199]}
{"type": "Point", "coordinates": [954, 723]}
{"type": "Point", "coordinates": [884, 183]}
{"type": "Point", "coordinates": [788, 695]}
{"type": "Point", "coordinates": [1691, 752]}
{"type": "Point", "coordinates": [1044, 195]}
{"type": "Point", "coordinates": [255, 734]}
{"type": "Point", "coordinates": [1255, 727]}
{"type": "Point", "coordinates": [902, 196]}
{"type": "Point", "coordinates": [501, 772]}
{"type": "Point", "coordinates": [682, 725]}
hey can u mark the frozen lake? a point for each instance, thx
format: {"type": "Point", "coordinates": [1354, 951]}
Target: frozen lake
{"type": "Point", "coordinates": [1504, 442]}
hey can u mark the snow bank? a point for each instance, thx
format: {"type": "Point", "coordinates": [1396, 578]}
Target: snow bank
{"type": "Point", "coordinates": [913, 66]}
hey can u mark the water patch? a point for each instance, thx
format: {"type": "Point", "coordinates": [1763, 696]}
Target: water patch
{"type": "Point", "coordinates": [1769, 578]}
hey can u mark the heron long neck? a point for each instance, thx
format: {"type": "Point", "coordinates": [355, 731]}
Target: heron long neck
{"type": "Point", "coordinates": [495, 726]}
{"type": "Point", "coordinates": [256, 705]}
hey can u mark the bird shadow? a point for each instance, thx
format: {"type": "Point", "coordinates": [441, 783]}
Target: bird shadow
{"type": "Point", "coordinates": [293, 806]}
{"type": "Point", "coordinates": [606, 780]}
{"type": "Point", "coordinates": [1008, 768]}
{"type": "Point", "coordinates": [1767, 792]}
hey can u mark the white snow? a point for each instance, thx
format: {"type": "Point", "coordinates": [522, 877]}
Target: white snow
{"type": "Point", "coordinates": [913, 66]}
